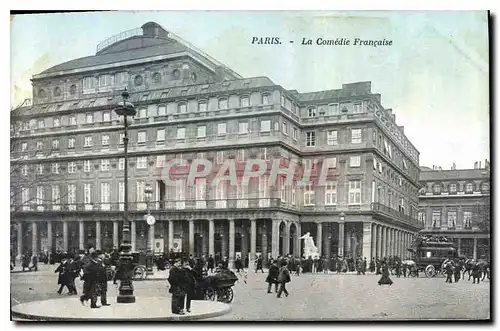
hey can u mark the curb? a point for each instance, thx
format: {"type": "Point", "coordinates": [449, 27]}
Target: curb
{"type": "Point", "coordinates": [28, 317]}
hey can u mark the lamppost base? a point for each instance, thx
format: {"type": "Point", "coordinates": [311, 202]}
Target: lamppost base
{"type": "Point", "coordinates": [125, 299]}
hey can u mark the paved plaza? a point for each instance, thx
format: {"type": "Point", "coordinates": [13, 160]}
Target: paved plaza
{"type": "Point", "coordinates": [316, 297]}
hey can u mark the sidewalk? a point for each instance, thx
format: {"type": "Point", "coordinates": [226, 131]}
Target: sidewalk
{"type": "Point", "coordinates": [144, 309]}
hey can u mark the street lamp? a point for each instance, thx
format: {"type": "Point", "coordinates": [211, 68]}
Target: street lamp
{"type": "Point", "coordinates": [342, 216]}
{"type": "Point", "coordinates": [148, 192]}
{"type": "Point", "coordinates": [126, 289]}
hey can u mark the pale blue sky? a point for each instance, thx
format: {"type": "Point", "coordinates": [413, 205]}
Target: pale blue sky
{"type": "Point", "coordinates": [434, 77]}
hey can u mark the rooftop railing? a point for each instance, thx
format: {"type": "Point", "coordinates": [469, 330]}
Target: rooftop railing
{"type": "Point", "coordinates": [117, 37]}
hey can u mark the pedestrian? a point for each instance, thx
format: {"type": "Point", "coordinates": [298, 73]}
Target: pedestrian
{"type": "Point", "coordinates": [102, 282]}
{"type": "Point", "coordinates": [211, 263]}
{"type": "Point", "coordinates": [238, 264]}
{"type": "Point", "coordinates": [404, 268]}
{"type": "Point", "coordinates": [190, 277]}
{"type": "Point", "coordinates": [90, 278]}
{"type": "Point", "coordinates": [176, 280]}
{"type": "Point", "coordinates": [283, 278]}
{"type": "Point", "coordinates": [74, 269]}
{"type": "Point", "coordinates": [62, 279]}
{"type": "Point", "coordinates": [449, 272]}
{"type": "Point", "coordinates": [458, 268]}
{"type": "Point", "coordinates": [259, 264]}
{"type": "Point", "coordinates": [372, 265]}
{"type": "Point", "coordinates": [272, 277]}
{"type": "Point", "coordinates": [398, 269]}
{"type": "Point", "coordinates": [298, 266]}
{"type": "Point", "coordinates": [363, 267]}
{"type": "Point", "coordinates": [378, 266]}
{"type": "Point", "coordinates": [385, 279]}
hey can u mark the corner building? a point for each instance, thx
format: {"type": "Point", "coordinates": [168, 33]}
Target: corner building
{"type": "Point", "coordinates": [67, 157]}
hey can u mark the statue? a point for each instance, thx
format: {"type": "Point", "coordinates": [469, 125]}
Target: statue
{"type": "Point", "coordinates": [310, 250]}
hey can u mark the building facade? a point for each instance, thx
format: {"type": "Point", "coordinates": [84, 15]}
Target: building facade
{"type": "Point", "coordinates": [455, 204]}
{"type": "Point", "coordinates": [67, 158]}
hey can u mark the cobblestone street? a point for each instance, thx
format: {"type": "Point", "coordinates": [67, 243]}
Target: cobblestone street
{"type": "Point", "coordinates": [316, 297]}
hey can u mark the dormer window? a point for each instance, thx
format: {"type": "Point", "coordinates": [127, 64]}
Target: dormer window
{"type": "Point", "coordinates": [202, 106]}
{"type": "Point", "coordinates": [265, 99]}
{"type": "Point", "coordinates": [245, 101]}
{"type": "Point", "coordinates": [453, 188]}
{"type": "Point", "coordinates": [469, 188]}
{"type": "Point", "coordinates": [357, 108]}
{"type": "Point", "coordinates": [311, 112]}
{"type": "Point", "coordinates": [437, 188]}
{"type": "Point", "coordinates": [182, 107]}
{"type": "Point", "coordinates": [223, 103]}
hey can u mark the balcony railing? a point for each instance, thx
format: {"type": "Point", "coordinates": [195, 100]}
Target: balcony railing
{"type": "Point", "coordinates": [392, 212]}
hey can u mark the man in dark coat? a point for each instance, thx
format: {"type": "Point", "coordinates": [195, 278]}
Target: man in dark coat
{"type": "Point", "coordinates": [259, 264]}
{"type": "Point", "coordinates": [176, 279]}
{"type": "Point", "coordinates": [73, 272]}
{"type": "Point", "coordinates": [238, 264]}
{"type": "Point", "coordinates": [378, 266]}
{"type": "Point", "coordinates": [449, 272]}
{"type": "Point", "coordinates": [247, 262]}
{"type": "Point", "coordinates": [458, 268]}
{"type": "Point", "coordinates": [283, 278]}
{"type": "Point", "coordinates": [372, 265]}
{"type": "Point", "coordinates": [211, 263]}
{"type": "Point", "coordinates": [90, 278]}
{"type": "Point", "coordinates": [102, 283]}
{"type": "Point", "coordinates": [62, 278]}
{"type": "Point", "coordinates": [363, 266]}
{"type": "Point", "coordinates": [272, 277]}
{"type": "Point", "coordinates": [190, 277]}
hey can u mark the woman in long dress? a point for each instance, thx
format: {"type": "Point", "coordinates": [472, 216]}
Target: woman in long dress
{"type": "Point", "coordinates": [385, 279]}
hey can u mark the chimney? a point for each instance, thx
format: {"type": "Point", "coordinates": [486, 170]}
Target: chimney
{"type": "Point", "coordinates": [480, 165]}
{"type": "Point", "coordinates": [475, 165]}
{"type": "Point", "coordinates": [454, 166]}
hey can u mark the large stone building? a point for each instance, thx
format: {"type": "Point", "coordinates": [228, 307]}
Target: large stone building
{"type": "Point", "coordinates": [67, 158]}
{"type": "Point", "coordinates": [456, 204]}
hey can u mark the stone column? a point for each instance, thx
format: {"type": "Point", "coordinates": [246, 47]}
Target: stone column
{"type": "Point", "coordinates": [133, 235]}
{"type": "Point", "coordinates": [459, 246]}
{"type": "Point", "coordinates": [211, 238]}
{"type": "Point", "coordinates": [374, 240]}
{"type": "Point", "coordinates": [319, 235]}
{"type": "Point", "coordinates": [379, 241]}
{"type": "Point", "coordinates": [34, 238]}
{"type": "Point", "coordinates": [231, 256]}
{"type": "Point", "coordinates": [286, 243]}
{"type": "Point", "coordinates": [244, 241]}
{"type": "Point", "coordinates": [151, 234]}
{"type": "Point", "coordinates": [367, 241]}
{"type": "Point", "coordinates": [19, 239]}
{"type": "Point", "coordinates": [81, 235]}
{"type": "Point", "coordinates": [275, 243]}
{"type": "Point", "coordinates": [49, 237]}
{"type": "Point", "coordinates": [116, 243]}
{"type": "Point", "coordinates": [65, 235]}
{"type": "Point", "coordinates": [341, 239]}
{"type": "Point", "coordinates": [98, 235]}
{"type": "Point", "coordinates": [384, 242]}
{"type": "Point", "coordinates": [224, 243]}
{"type": "Point", "coordinates": [475, 250]}
{"type": "Point", "coordinates": [298, 243]}
{"type": "Point", "coordinates": [327, 245]}
{"type": "Point", "coordinates": [191, 237]}
{"type": "Point", "coordinates": [253, 240]}
{"type": "Point", "coordinates": [170, 235]}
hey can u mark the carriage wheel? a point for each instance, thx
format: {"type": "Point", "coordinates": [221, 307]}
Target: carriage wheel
{"type": "Point", "coordinates": [138, 273]}
{"type": "Point", "coordinates": [430, 271]}
{"type": "Point", "coordinates": [209, 294]}
{"type": "Point", "coordinates": [225, 295]}
{"type": "Point", "coordinates": [229, 295]}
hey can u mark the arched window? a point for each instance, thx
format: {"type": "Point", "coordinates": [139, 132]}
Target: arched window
{"type": "Point", "coordinates": [176, 74]}
{"type": "Point", "coordinates": [138, 80]}
{"type": "Point", "coordinates": [57, 91]}
{"type": "Point", "coordinates": [72, 89]}
{"type": "Point", "coordinates": [157, 78]}
{"type": "Point", "coordinates": [41, 93]}
{"type": "Point", "coordinates": [193, 77]}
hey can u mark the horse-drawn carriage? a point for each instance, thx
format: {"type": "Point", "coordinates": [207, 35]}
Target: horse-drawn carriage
{"type": "Point", "coordinates": [139, 267]}
{"type": "Point", "coordinates": [216, 287]}
{"type": "Point", "coordinates": [429, 256]}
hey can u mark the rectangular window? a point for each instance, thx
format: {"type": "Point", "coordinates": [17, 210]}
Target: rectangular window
{"type": "Point", "coordinates": [106, 116]}
{"type": "Point", "coordinates": [452, 219]}
{"type": "Point", "coordinates": [241, 155]}
{"type": "Point", "coordinates": [221, 129]}
{"type": "Point", "coordinates": [285, 128]}
{"type": "Point", "coordinates": [105, 140]}
{"type": "Point", "coordinates": [331, 193]}
{"type": "Point", "coordinates": [121, 163]}
{"type": "Point", "coordinates": [141, 137]}
{"type": "Point", "coordinates": [332, 138]}
{"type": "Point", "coordinates": [105, 165]}
{"type": "Point", "coordinates": [220, 157]}
{"type": "Point", "coordinates": [121, 78]}
{"type": "Point", "coordinates": [71, 194]}
{"type": "Point", "coordinates": [55, 144]}
{"type": "Point", "coordinates": [467, 219]}
{"type": "Point", "coordinates": [142, 113]}
{"type": "Point", "coordinates": [39, 145]}
{"type": "Point", "coordinates": [106, 80]}
{"type": "Point", "coordinates": [264, 191]}
{"type": "Point", "coordinates": [354, 192]}
{"type": "Point", "coordinates": [89, 83]}
{"type": "Point", "coordinates": [160, 160]}
{"type": "Point", "coordinates": [181, 133]}
{"type": "Point", "coordinates": [121, 195]}
{"type": "Point", "coordinates": [88, 141]}
{"type": "Point", "coordinates": [294, 134]}
{"type": "Point", "coordinates": [355, 161]}
{"type": "Point", "coordinates": [56, 196]}
{"type": "Point", "coordinates": [333, 109]}
{"type": "Point", "coordinates": [122, 136]}
{"type": "Point", "coordinates": [39, 169]}
{"type": "Point", "coordinates": [356, 136]}
{"type": "Point", "coordinates": [308, 195]}
{"type": "Point", "coordinates": [57, 122]}
{"type": "Point", "coordinates": [55, 168]}
{"type": "Point", "coordinates": [265, 154]}
{"type": "Point", "coordinates": [41, 124]}
{"type": "Point", "coordinates": [243, 127]}
{"type": "Point", "coordinates": [162, 111]}
{"type": "Point", "coordinates": [87, 193]}
{"type": "Point", "coordinates": [40, 195]}
{"type": "Point", "coordinates": [311, 139]}
{"type": "Point", "coordinates": [105, 196]}
{"type": "Point", "coordinates": [331, 162]}
{"type": "Point", "coordinates": [265, 126]}
{"type": "Point", "coordinates": [71, 167]}
{"type": "Point", "coordinates": [89, 119]}
{"type": "Point", "coordinates": [293, 196]}
{"type": "Point", "coordinates": [265, 99]}
{"type": "Point", "coordinates": [24, 170]}
{"type": "Point", "coordinates": [24, 147]}
{"type": "Point", "coordinates": [139, 193]}
{"type": "Point", "coordinates": [436, 219]}
{"type": "Point", "coordinates": [245, 101]}
{"type": "Point", "coordinates": [202, 131]}
{"type": "Point", "coordinates": [86, 166]}
{"type": "Point", "coordinates": [311, 112]}
{"type": "Point", "coordinates": [142, 162]}
{"type": "Point", "coordinates": [223, 104]}
{"type": "Point", "coordinates": [160, 135]}
{"type": "Point", "coordinates": [72, 120]}
{"type": "Point", "coordinates": [357, 108]}
{"type": "Point", "coordinates": [453, 188]}
{"type": "Point", "coordinates": [202, 106]}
